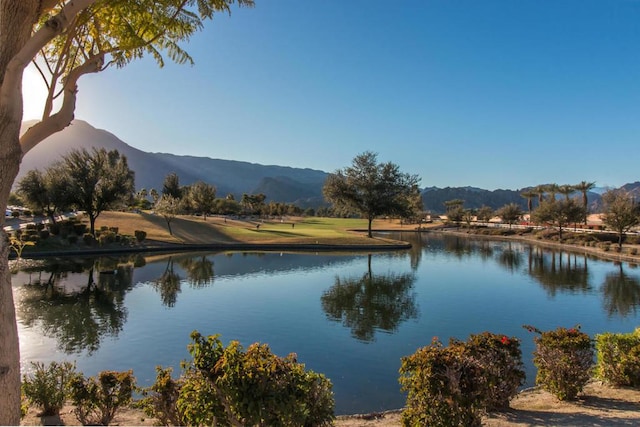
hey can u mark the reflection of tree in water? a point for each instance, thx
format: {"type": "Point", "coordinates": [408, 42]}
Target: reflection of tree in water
{"type": "Point", "coordinates": [510, 258]}
{"type": "Point", "coordinates": [77, 318]}
{"type": "Point", "coordinates": [459, 246]}
{"type": "Point", "coordinates": [371, 302]}
{"type": "Point", "coordinates": [621, 293]}
{"type": "Point", "coordinates": [559, 271]}
{"type": "Point", "coordinates": [168, 285]}
{"type": "Point", "coordinates": [199, 271]}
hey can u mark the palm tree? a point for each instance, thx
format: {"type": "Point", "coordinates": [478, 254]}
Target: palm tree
{"type": "Point", "coordinates": [552, 189]}
{"type": "Point", "coordinates": [540, 190]}
{"type": "Point", "coordinates": [529, 195]}
{"type": "Point", "coordinates": [583, 187]}
{"type": "Point", "coordinates": [566, 190]}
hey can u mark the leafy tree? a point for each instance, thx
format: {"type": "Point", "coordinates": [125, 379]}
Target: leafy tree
{"type": "Point", "coordinates": [96, 181]}
{"type": "Point", "coordinates": [171, 186]}
{"type": "Point", "coordinates": [46, 192]}
{"type": "Point", "coordinates": [202, 197]}
{"type": "Point", "coordinates": [559, 213]}
{"type": "Point", "coordinates": [584, 187]}
{"type": "Point", "coordinates": [552, 189]}
{"type": "Point", "coordinates": [621, 213]}
{"type": "Point", "coordinates": [71, 39]}
{"type": "Point", "coordinates": [169, 208]}
{"type": "Point", "coordinates": [485, 213]}
{"type": "Point", "coordinates": [510, 213]}
{"type": "Point", "coordinates": [371, 188]}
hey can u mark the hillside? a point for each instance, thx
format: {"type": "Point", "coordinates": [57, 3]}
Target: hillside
{"type": "Point", "coordinates": [229, 177]}
{"type": "Point", "coordinates": [279, 183]}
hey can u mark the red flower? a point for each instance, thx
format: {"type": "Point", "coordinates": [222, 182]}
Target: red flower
{"type": "Point", "coordinates": [572, 331]}
{"type": "Point", "coordinates": [504, 340]}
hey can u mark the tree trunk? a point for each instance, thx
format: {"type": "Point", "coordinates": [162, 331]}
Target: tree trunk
{"type": "Point", "coordinates": [16, 18]}
{"type": "Point", "coordinates": [369, 234]}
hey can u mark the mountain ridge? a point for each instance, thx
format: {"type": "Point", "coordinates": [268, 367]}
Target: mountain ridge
{"type": "Point", "coordinates": [286, 184]}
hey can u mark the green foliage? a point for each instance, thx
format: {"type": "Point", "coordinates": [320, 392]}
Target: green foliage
{"type": "Point", "coordinates": [501, 359]}
{"type": "Point", "coordinates": [106, 237]}
{"type": "Point", "coordinates": [618, 358]}
{"type": "Point", "coordinates": [372, 189]}
{"type": "Point", "coordinates": [160, 400]}
{"type": "Point", "coordinates": [444, 386]}
{"type": "Point", "coordinates": [98, 399]}
{"type": "Point", "coordinates": [564, 358]}
{"type": "Point", "coordinates": [256, 387]}
{"type": "Point", "coordinates": [88, 239]}
{"type": "Point", "coordinates": [140, 235]}
{"type": "Point", "coordinates": [48, 386]}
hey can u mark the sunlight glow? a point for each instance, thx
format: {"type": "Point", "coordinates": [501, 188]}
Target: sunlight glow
{"type": "Point", "coordinates": [34, 93]}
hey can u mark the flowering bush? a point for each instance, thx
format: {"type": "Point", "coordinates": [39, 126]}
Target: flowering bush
{"type": "Point", "coordinates": [564, 358]}
{"type": "Point", "coordinates": [255, 387]}
{"type": "Point", "coordinates": [619, 358]}
{"type": "Point", "coordinates": [501, 359]}
{"type": "Point", "coordinates": [444, 385]}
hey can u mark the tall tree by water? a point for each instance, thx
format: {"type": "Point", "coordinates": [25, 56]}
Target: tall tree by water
{"type": "Point", "coordinates": [96, 180]}
{"type": "Point", "coordinates": [371, 188]}
{"type": "Point", "coordinates": [71, 38]}
{"type": "Point", "coordinates": [560, 213]}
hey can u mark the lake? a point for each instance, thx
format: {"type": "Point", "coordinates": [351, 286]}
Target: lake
{"type": "Point", "coordinates": [350, 316]}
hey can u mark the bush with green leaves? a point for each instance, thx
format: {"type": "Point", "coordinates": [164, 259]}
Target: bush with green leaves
{"type": "Point", "coordinates": [97, 399]}
{"type": "Point", "coordinates": [161, 398]}
{"type": "Point", "coordinates": [48, 385]}
{"type": "Point", "coordinates": [618, 358]}
{"type": "Point", "coordinates": [501, 360]}
{"type": "Point", "coordinates": [564, 358]}
{"type": "Point", "coordinates": [140, 235]}
{"type": "Point", "coordinates": [445, 386]}
{"type": "Point", "coordinates": [253, 387]}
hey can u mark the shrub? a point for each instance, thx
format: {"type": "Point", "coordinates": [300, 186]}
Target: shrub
{"type": "Point", "coordinates": [501, 360]}
{"type": "Point", "coordinates": [98, 399]}
{"type": "Point", "coordinates": [48, 386]}
{"type": "Point", "coordinates": [80, 229]}
{"type": "Point", "coordinates": [88, 239]}
{"type": "Point", "coordinates": [140, 235]}
{"type": "Point", "coordinates": [254, 387]}
{"type": "Point", "coordinates": [618, 358]}
{"type": "Point", "coordinates": [160, 400]}
{"type": "Point", "coordinates": [633, 251]}
{"type": "Point", "coordinates": [444, 386]}
{"type": "Point", "coordinates": [106, 237]}
{"type": "Point", "coordinates": [54, 229]}
{"type": "Point", "coordinates": [564, 358]}
{"type": "Point", "coordinates": [104, 228]}
{"type": "Point", "coordinates": [44, 234]}
{"type": "Point", "coordinates": [114, 230]}
{"type": "Point", "coordinates": [72, 238]}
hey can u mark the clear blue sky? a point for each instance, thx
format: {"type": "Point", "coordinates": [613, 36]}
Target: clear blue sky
{"type": "Point", "coordinates": [492, 94]}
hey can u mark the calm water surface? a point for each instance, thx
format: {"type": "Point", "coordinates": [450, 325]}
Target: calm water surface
{"type": "Point", "coordinates": [351, 317]}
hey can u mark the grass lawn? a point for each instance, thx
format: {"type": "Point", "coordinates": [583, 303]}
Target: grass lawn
{"type": "Point", "coordinates": [296, 230]}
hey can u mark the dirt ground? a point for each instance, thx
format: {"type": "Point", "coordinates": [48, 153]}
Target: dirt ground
{"type": "Point", "coordinates": [599, 405]}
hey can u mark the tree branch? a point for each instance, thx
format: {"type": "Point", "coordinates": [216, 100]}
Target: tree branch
{"type": "Point", "coordinates": [53, 27]}
{"type": "Point", "coordinates": [60, 120]}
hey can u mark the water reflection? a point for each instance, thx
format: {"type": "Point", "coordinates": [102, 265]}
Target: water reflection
{"type": "Point", "coordinates": [168, 285]}
{"type": "Point", "coordinates": [77, 309]}
{"type": "Point", "coordinates": [510, 258]}
{"type": "Point", "coordinates": [199, 271]}
{"type": "Point", "coordinates": [621, 293]}
{"type": "Point", "coordinates": [559, 271]}
{"type": "Point", "coordinates": [371, 302]}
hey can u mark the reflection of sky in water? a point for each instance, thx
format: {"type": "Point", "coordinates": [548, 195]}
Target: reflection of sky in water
{"type": "Point", "coordinates": [460, 287]}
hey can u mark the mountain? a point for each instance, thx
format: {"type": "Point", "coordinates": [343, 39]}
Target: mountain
{"type": "Point", "coordinates": [279, 183]}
